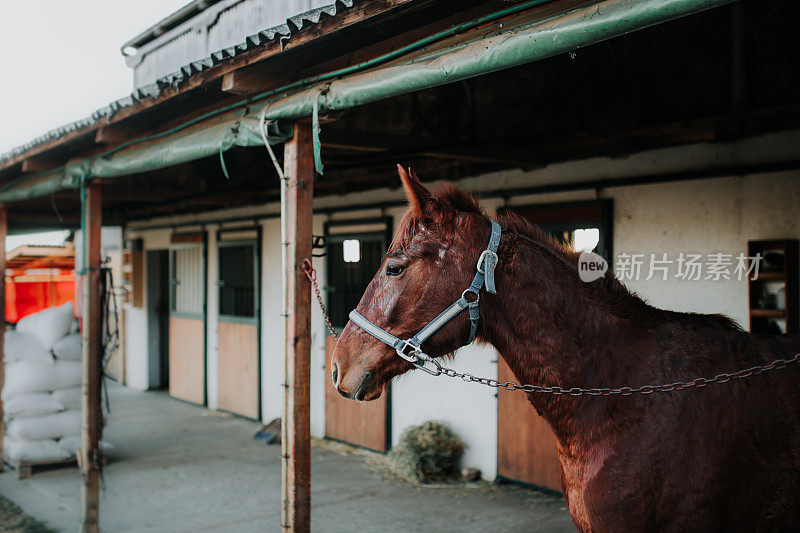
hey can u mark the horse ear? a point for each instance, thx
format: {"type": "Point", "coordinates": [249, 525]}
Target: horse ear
{"type": "Point", "coordinates": [418, 196]}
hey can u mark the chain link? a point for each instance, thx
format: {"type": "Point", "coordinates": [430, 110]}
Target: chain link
{"type": "Point", "coordinates": [696, 383]}
{"type": "Point", "coordinates": [621, 391]}
{"type": "Point", "coordinates": [309, 271]}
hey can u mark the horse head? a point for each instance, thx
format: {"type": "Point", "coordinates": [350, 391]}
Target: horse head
{"type": "Point", "coordinates": [431, 260]}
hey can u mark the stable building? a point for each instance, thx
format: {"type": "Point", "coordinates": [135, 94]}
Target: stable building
{"type": "Point", "coordinates": [647, 131]}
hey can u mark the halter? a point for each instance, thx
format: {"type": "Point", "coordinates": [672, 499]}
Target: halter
{"type": "Point", "coordinates": [411, 349]}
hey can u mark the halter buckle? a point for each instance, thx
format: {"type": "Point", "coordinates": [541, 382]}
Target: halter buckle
{"type": "Point", "coordinates": [413, 356]}
{"type": "Point", "coordinates": [482, 258]}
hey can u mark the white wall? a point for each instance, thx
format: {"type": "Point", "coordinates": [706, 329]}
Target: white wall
{"type": "Point", "coordinates": [470, 410]}
{"type": "Point", "coordinates": [212, 317]}
{"type": "Point", "coordinates": [707, 216]}
{"type": "Point", "coordinates": [272, 322]}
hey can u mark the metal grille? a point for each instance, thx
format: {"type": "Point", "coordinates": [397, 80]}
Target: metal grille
{"type": "Point", "coordinates": [187, 280]}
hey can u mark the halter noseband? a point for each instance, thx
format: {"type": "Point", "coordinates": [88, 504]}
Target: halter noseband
{"type": "Point", "coordinates": [411, 349]}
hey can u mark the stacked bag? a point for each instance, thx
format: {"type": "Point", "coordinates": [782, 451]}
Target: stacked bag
{"type": "Point", "coordinates": [42, 390]}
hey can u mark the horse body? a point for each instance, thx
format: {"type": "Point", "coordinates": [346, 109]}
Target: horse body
{"type": "Point", "coordinates": [724, 457]}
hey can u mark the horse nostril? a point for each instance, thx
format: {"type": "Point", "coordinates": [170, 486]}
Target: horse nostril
{"type": "Point", "coordinates": [335, 375]}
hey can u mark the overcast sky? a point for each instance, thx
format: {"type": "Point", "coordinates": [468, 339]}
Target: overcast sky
{"type": "Point", "coordinates": [61, 60]}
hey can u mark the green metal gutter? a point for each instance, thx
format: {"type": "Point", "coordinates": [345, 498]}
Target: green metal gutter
{"type": "Point", "coordinates": [237, 125]}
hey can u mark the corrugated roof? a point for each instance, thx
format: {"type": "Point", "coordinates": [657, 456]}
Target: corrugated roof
{"type": "Point", "coordinates": [292, 26]}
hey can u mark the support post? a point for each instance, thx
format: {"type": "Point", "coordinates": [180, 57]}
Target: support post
{"type": "Point", "coordinates": [91, 332]}
{"type": "Point", "coordinates": [3, 232]}
{"type": "Point", "coordinates": [296, 432]}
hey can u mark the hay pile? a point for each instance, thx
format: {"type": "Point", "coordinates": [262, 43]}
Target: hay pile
{"type": "Point", "coordinates": [427, 453]}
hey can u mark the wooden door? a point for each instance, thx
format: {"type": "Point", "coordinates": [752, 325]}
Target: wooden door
{"type": "Point", "coordinates": [239, 382]}
{"type": "Point", "coordinates": [187, 331]}
{"type": "Point", "coordinates": [526, 446]}
{"type": "Point", "coordinates": [355, 252]}
{"type": "Point", "coordinates": [360, 423]}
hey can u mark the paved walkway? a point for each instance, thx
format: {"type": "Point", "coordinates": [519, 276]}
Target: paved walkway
{"type": "Point", "coordinates": [180, 468]}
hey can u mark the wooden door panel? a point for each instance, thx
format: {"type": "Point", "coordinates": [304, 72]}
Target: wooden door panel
{"type": "Point", "coordinates": [360, 423]}
{"type": "Point", "coordinates": [187, 359]}
{"type": "Point", "coordinates": [526, 446]}
{"type": "Point", "coordinates": [238, 369]}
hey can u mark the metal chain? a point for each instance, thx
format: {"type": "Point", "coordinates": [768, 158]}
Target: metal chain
{"type": "Point", "coordinates": [308, 268]}
{"type": "Point", "coordinates": [622, 391]}
{"type": "Point", "coordinates": [696, 383]}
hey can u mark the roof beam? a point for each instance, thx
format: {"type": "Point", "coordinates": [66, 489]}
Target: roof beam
{"type": "Point", "coordinates": [39, 164]}
{"type": "Point", "coordinates": [114, 134]}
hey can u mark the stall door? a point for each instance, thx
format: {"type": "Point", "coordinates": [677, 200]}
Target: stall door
{"type": "Point", "coordinates": [187, 376]}
{"type": "Point", "coordinates": [238, 330]}
{"type": "Point", "coordinates": [353, 259]}
{"type": "Point", "coordinates": [526, 445]}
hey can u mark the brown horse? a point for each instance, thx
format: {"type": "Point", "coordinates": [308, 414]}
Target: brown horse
{"type": "Point", "coordinates": [721, 458]}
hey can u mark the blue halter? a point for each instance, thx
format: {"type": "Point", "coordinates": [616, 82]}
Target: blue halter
{"type": "Point", "coordinates": [411, 349]}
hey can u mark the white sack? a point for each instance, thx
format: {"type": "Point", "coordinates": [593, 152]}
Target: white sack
{"type": "Point", "coordinates": [72, 443]}
{"type": "Point", "coordinates": [33, 451]}
{"type": "Point", "coordinates": [24, 376]}
{"type": "Point", "coordinates": [20, 346]}
{"type": "Point", "coordinates": [68, 348]}
{"type": "Point", "coordinates": [70, 398]}
{"type": "Point", "coordinates": [31, 404]}
{"type": "Point", "coordinates": [52, 426]}
{"type": "Point", "coordinates": [49, 325]}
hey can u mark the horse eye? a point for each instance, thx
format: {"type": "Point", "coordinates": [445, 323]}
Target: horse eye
{"type": "Point", "coordinates": [394, 270]}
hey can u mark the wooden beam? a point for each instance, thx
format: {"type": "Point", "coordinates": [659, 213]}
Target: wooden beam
{"type": "Point", "coordinates": [115, 135]}
{"type": "Point", "coordinates": [39, 164]}
{"type": "Point", "coordinates": [3, 232]}
{"type": "Point", "coordinates": [296, 441]}
{"type": "Point", "coordinates": [91, 331]}
{"type": "Point", "coordinates": [244, 83]}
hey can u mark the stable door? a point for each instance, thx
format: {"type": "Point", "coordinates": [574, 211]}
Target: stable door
{"type": "Point", "coordinates": [353, 257]}
{"type": "Point", "coordinates": [238, 326]}
{"type": "Point", "coordinates": [187, 326]}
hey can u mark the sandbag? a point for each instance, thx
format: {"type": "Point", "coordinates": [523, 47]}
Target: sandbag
{"type": "Point", "coordinates": [70, 398]}
{"type": "Point", "coordinates": [53, 426]}
{"type": "Point", "coordinates": [49, 325]}
{"type": "Point", "coordinates": [72, 443]}
{"type": "Point", "coordinates": [24, 376]}
{"type": "Point", "coordinates": [68, 348]}
{"type": "Point", "coordinates": [21, 346]}
{"type": "Point", "coordinates": [31, 404]}
{"type": "Point", "coordinates": [33, 451]}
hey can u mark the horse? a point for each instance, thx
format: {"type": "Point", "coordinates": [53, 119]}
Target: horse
{"type": "Point", "coordinates": [725, 457]}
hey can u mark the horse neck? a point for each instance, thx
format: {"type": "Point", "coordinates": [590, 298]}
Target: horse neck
{"type": "Point", "coordinates": [552, 329]}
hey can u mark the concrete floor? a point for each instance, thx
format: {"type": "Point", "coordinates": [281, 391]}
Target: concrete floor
{"type": "Point", "coordinates": [176, 467]}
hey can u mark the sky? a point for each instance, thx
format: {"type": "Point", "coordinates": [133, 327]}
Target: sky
{"type": "Point", "coordinates": [62, 61]}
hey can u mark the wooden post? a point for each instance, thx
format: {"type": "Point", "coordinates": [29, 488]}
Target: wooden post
{"type": "Point", "coordinates": [3, 231]}
{"type": "Point", "coordinates": [296, 432]}
{"type": "Point", "coordinates": [91, 332]}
